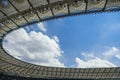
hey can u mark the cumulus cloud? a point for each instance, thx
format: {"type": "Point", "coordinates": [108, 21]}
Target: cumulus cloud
{"type": "Point", "coordinates": [56, 38]}
{"type": "Point", "coordinates": [41, 26]}
{"type": "Point", "coordinates": [117, 56]}
{"type": "Point", "coordinates": [88, 56]}
{"type": "Point", "coordinates": [92, 63]}
{"type": "Point", "coordinates": [112, 52]}
{"type": "Point", "coordinates": [34, 47]}
{"type": "Point", "coordinates": [39, 48]}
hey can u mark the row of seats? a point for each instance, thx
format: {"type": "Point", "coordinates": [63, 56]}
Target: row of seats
{"type": "Point", "coordinates": [84, 73]}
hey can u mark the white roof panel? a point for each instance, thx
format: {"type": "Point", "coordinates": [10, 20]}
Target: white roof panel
{"type": "Point", "coordinates": [46, 13]}
{"type": "Point", "coordinates": [1, 34]}
{"type": "Point", "coordinates": [2, 31]}
{"type": "Point", "coordinates": [19, 20]}
{"type": "Point", "coordinates": [92, 4]}
{"type": "Point", "coordinates": [1, 15]}
{"type": "Point", "coordinates": [77, 6]}
{"type": "Point", "coordinates": [10, 24]}
{"type": "Point", "coordinates": [20, 4]}
{"type": "Point", "coordinates": [4, 27]}
{"type": "Point", "coordinates": [60, 9]}
{"type": "Point", "coordinates": [8, 9]}
{"type": "Point", "coordinates": [37, 3]}
{"type": "Point", "coordinates": [31, 17]}
{"type": "Point", "coordinates": [52, 1]}
{"type": "Point", "coordinates": [113, 3]}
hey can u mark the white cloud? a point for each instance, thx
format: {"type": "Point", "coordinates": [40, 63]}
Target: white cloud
{"type": "Point", "coordinates": [39, 48]}
{"type": "Point", "coordinates": [41, 26]}
{"type": "Point", "coordinates": [92, 63]}
{"type": "Point", "coordinates": [112, 52]}
{"type": "Point", "coordinates": [117, 56]}
{"type": "Point", "coordinates": [34, 47]}
{"type": "Point", "coordinates": [90, 60]}
{"type": "Point", "coordinates": [88, 56]}
{"type": "Point", "coordinates": [56, 38]}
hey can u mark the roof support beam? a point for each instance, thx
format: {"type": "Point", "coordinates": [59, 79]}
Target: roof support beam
{"type": "Point", "coordinates": [34, 8]}
{"type": "Point", "coordinates": [86, 1]}
{"type": "Point", "coordinates": [2, 27]}
{"type": "Point", "coordinates": [18, 11]}
{"type": "Point", "coordinates": [68, 6]}
{"type": "Point", "coordinates": [105, 5]}
{"type": "Point", "coordinates": [1, 32]}
{"type": "Point", "coordinates": [10, 19]}
{"type": "Point", "coordinates": [6, 25]}
{"type": "Point", "coordinates": [51, 8]}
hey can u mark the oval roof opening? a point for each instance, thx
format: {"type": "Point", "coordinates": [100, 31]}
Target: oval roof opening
{"type": "Point", "coordinates": [89, 41]}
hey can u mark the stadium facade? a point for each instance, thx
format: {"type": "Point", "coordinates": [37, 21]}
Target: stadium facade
{"type": "Point", "coordinates": [15, 14]}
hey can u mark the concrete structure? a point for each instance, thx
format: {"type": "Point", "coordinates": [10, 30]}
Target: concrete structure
{"type": "Point", "coordinates": [18, 13]}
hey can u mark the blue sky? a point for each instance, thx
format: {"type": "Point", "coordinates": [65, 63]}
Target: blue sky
{"type": "Point", "coordinates": [77, 41]}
